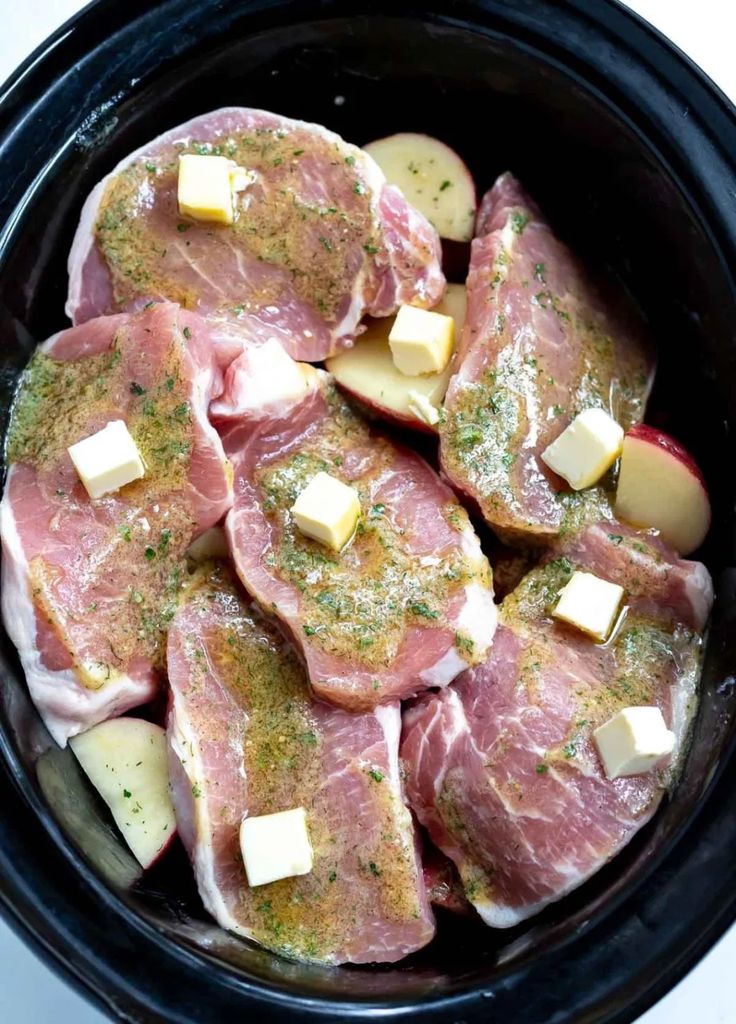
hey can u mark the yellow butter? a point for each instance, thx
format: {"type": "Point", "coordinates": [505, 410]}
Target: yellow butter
{"type": "Point", "coordinates": [589, 603]}
{"type": "Point", "coordinates": [276, 846]}
{"type": "Point", "coordinates": [207, 186]}
{"type": "Point", "coordinates": [633, 741]}
{"type": "Point", "coordinates": [421, 341]}
{"type": "Point", "coordinates": [586, 449]}
{"type": "Point", "coordinates": [422, 408]}
{"type": "Point", "coordinates": [327, 510]}
{"type": "Point", "coordinates": [107, 460]}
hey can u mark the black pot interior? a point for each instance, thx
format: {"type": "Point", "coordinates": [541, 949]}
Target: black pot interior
{"type": "Point", "coordinates": [610, 192]}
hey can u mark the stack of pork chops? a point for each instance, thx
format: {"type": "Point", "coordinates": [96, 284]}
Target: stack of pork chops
{"type": "Point", "coordinates": [380, 687]}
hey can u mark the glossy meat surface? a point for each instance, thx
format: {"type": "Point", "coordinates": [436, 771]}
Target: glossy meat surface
{"type": "Point", "coordinates": [408, 603]}
{"type": "Point", "coordinates": [246, 738]}
{"type": "Point", "coordinates": [318, 241]}
{"type": "Point", "coordinates": [539, 345]}
{"type": "Point", "coordinates": [501, 767]}
{"type": "Point", "coordinates": [89, 586]}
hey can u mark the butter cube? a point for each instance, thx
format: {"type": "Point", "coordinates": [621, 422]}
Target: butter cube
{"type": "Point", "coordinates": [276, 846]}
{"type": "Point", "coordinates": [207, 186]}
{"type": "Point", "coordinates": [590, 603]}
{"type": "Point", "coordinates": [327, 510]}
{"type": "Point", "coordinates": [586, 449]}
{"type": "Point", "coordinates": [107, 460]}
{"type": "Point", "coordinates": [633, 741]}
{"type": "Point", "coordinates": [422, 408]}
{"type": "Point", "coordinates": [421, 341]}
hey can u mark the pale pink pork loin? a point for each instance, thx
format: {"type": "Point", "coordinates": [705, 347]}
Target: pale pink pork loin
{"type": "Point", "coordinates": [408, 604]}
{"type": "Point", "coordinates": [319, 238]}
{"type": "Point", "coordinates": [90, 585]}
{"type": "Point", "coordinates": [246, 739]}
{"type": "Point", "coordinates": [501, 768]}
{"type": "Point", "coordinates": [539, 345]}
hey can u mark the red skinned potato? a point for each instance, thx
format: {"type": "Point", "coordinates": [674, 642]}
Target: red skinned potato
{"type": "Point", "coordinates": [661, 486]}
{"type": "Point", "coordinates": [367, 371]}
{"type": "Point", "coordinates": [125, 760]}
{"type": "Point", "coordinates": [432, 177]}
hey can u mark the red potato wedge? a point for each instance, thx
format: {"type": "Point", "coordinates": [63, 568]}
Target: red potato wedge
{"type": "Point", "coordinates": [367, 370]}
{"type": "Point", "coordinates": [432, 177]}
{"type": "Point", "coordinates": [125, 760]}
{"type": "Point", "coordinates": [660, 486]}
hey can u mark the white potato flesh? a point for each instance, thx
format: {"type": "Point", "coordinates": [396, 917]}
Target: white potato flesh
{"type": "Point", "coordinates": [432, 177]}
{"type": "Point", "coordinates": [369, 373]}
{"type": "Point", "coordinates": [125, 760]}
{"type": "Point", "coordinates": [660, 487]}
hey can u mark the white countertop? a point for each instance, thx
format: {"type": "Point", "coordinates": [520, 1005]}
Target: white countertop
{"type": "Point", "coordinates": [31, 994]}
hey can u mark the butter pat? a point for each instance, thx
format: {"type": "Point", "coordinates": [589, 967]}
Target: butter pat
{"type": "Point", "coordinates": [586, 449]}
{"type": "Point", "coordinates": [276, 846]}
{"type": "Point", "coordinates": [590, 603]}
{"type": "Point", "coordinates": [327, 510]}
{"type": "Point", "coordinates": [107, 460]}
{"type": "Point", "coordinates": [633, 741]}
{"type": "Point", "coordinates": [421, 341]}
{"type": "Point", "coordinates": [422, 408]}
{"type": "Point", "coordinates": [207, 187]}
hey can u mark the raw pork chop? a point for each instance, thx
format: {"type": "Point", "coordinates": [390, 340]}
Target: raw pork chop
{"type": "Point", "coordinates": [408, 603]}
{"type": "Point", "coordinates": [539, 345]}
{"type": "Point", "coordinates": [319, 238]}
{"type": "Point", "coordinates": [89, 586]}
{"type": "Point", "coordinates": [246, 739]}
{"type": "Point", "coordinates": [501, 768]}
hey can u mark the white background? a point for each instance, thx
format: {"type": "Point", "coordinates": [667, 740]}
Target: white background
{"type": "Point", "coordinates": [29, 993]}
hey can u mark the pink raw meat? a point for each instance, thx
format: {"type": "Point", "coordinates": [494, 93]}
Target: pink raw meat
{"type": "Point", "coordinates": [539, 345]}
{"type": "Point", "coordinates": [408, 604]}
{"type": "Point", "coordinates": [501, 767]}
{"type": "Point", "coordinates": [89, 586]}
{"type": "Point", "coordinates": [245, 738]}
{"type": "Point", "coordinates": [319, 238]}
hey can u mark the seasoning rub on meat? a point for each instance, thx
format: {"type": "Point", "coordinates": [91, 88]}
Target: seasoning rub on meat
{"type": "Point", "coordinates": [540, 344]}
{"type": "Point", "coordinates": [502, 768]}
{"type": "Point", "coordinates": [408, 603]}
{"type": "Point", "coordinates": [89, 586]}
{"type": "Point", "coordinates": [246, 739]}
{"type": "Point", "coordinates": [318, 239]}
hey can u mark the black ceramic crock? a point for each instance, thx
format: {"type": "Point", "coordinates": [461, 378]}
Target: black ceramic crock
{"type": "Point", "coordinates": [631, 151]}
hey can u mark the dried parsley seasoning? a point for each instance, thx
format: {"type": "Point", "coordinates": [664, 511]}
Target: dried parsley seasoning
{"type": "Point", "coordinates": [282, 744]}
{"type": "Point", "coordinates": [278, 227]}
{"type": "Point", "coordinates": [56, 403]}
{"type": "Point", "coordinates": [359, 603]}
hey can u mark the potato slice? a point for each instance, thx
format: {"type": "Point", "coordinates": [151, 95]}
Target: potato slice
{"type": "Point", "coordinates": [125, 760]}
{"type": "Point", "coordinates": [368, 372]}
{"type": "Point", "coordinates": [432, 177]}
{"type": "Point", "coordinates": [660, 487]}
